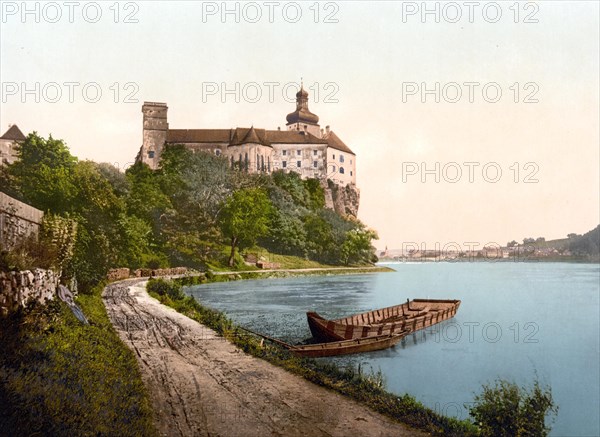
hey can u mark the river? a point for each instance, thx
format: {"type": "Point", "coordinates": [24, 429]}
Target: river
{"type": "Point", "coordinates": [516, 321]}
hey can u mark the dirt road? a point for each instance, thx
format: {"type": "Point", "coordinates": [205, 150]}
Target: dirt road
{"type": "Point", "coordinates": [201, 385]}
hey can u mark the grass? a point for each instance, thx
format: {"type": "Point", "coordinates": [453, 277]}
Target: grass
{"type": "Point", "coordinates": [219, 262]}
{"type": "Point", "coordinates": [60, 377]}
{"type": "Point", "coordinates": [365, 388]}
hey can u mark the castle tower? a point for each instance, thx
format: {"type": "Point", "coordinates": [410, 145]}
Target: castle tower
{"type": "Point", "coordinates": [155, 133]}
{"type": "Point", "coordinates": [302, 119]}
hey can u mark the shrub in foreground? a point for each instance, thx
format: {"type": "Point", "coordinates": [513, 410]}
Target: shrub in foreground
{"type": "Point", "coordinates": [507, 410]}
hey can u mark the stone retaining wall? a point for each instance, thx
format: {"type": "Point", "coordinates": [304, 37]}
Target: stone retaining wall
{"type": "Point", "coordinates": [124, 273]}
{"type": "Point", "coordinates": [161, 272]}
{"type": "Point", "coordinates": [17, 289]}
{"type": "Point", "coordinates": [17, 220]}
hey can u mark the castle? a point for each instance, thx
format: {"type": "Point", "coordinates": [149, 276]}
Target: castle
{"type": "Point", "coordinates": [303, 148]}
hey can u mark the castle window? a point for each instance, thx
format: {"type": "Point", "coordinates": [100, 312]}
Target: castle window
{"type": "Point", "coordinates": [315, 164]}
{"type": "Point", "coordinates": [333, 156]}
{"type": "Point", "coordinates": [284, 164]}
{"type": "Point", "coordinates": [350, 172]}
{"type": "Point", "coordinates": [269, 164]}
{"type": "Point", "coordinates": [150, 154]}
{"type": "Point", "coordinates": [298, 152]}
{"type": "Point", "coordinates": [350, 161]}
{"type": "Point", "coordinates": [315, 152]}
{"type": "Point", "coordinates": [246, 161]}
{"type": "Point", "coordinates": [341, 170]}
{"type": "Point", "coordinates": [284, 152]}
{"type": "Point", "coordinates": [298, 164]}
{"type": "Point", "coordinates": [262, 163]}
{"type": "Point", "coordinates": [218, 152]}
{"type": "Point", "coordinates": [257, 161]}
{"type": "Point", "coordinates": [341, 158]}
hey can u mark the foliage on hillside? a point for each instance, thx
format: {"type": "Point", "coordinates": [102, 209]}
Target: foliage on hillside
{"type": "Point", "coordinates": [183, 214]}
{"type": "Point", "coordinates": [586, 246]}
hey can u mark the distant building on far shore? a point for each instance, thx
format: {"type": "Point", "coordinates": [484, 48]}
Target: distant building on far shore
{"type": "Point", "coordinates": [8, 144]}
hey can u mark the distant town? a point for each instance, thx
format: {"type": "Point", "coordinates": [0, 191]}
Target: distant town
{"type": "Point", "coordinates": [575, 247]}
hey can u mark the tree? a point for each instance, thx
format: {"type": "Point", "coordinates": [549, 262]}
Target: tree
{"type": "Point", "coordinates": [507, 410]}
{"type": "Point", "coordinates": [357, 247]}
{"type": "Point", "coordinates": [145, 198]}
{"type": "Point", "coordinates": [245, 218]}
{"type": "Point", "coordinates": [512, 243]}
{"type": "Point", "coordinates": [42, 175]}
{"type": "Point", "coordinates": [528, 240]}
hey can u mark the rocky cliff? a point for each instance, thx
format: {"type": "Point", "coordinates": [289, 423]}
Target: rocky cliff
{"type": "Point", "coordinates": [343, 200]}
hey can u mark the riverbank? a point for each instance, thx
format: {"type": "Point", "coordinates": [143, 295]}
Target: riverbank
{"type": "Point", "coordinates": [201, 384]}
{"type": "Point", "coordinates": [217, 276]}
{"type": "Point", "coordinates": [366, 388]}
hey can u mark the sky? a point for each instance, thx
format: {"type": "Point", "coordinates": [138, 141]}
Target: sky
{"type": "Point", "coordinates": [472, 122]}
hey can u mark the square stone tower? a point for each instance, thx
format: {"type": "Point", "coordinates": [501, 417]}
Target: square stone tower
{"type": "Point", "coordinates": [155, 133]}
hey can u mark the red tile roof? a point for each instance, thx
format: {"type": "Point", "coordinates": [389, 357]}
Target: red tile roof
{"type": "Point", "coordinates": [245, 135]}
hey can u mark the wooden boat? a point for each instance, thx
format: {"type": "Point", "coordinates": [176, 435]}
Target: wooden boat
{"type": "Point", "coordinates": [359, 345]}
{"type": "Point", "coordinates": [409, 316]}
{"type": "Point", "coordinates": [345, 347]}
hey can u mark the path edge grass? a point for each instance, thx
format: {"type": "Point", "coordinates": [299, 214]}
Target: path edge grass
{"type": "Point", "coordinates": [61, 377]}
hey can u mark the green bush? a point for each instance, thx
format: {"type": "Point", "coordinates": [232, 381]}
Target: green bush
{"type": "Point", "coordinates": [505, 409]}
{"type": "Point", "coordinates": [166, 288]}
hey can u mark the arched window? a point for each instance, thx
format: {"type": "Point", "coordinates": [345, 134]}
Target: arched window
{"type": "Point", "coordinates": [257, 162]}
{"type": "Point", "coordinates": [341, 170]}
{"type": "Point", "coordinates": [246, 161]}
{"type": "Point", "coordinates": [262, 163]}
{"type": "Point", "coordinates": [217, 152]}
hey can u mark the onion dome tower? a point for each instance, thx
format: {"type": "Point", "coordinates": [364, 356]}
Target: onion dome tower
{"type": "Point", "coordinates": [302, 119]}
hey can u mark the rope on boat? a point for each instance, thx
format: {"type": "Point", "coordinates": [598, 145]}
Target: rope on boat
{"type": "Point", "coordinates": [266, 337]}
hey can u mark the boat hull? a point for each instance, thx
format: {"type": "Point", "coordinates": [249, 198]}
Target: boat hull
{"type": "Point", "coordinates": [410, 316]}
{"type": "Point", "coordinates": [346, 347]}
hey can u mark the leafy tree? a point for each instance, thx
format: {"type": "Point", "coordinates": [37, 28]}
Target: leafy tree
{"type": "Point", "coordinates": [507, 410]}
{"type": "Point", "coordinates": [528, 240]}
{"type": "Point", "coordinates": [137, 234]}
{"type": "Point", "coordinates": [587, 244]}
{"type": "Point", "coordinates": [42, 175]}
{"type": "Point", "coordinates": [320, 240]}
{"type": "Point", "coordinates": [512, 243]}
{"type": "Point", "coordinates": [315, 195]}
{"type": "Point", "coordinates": [117, 179]}
{"type": "Point", "coordinates": [245, 218]}
{"type": "Point", "coordinates": [197, 185]}
{"type": "Point", "coordinates": [357, 247]}
{"type": "Point", "coordinates": [145, 198]}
